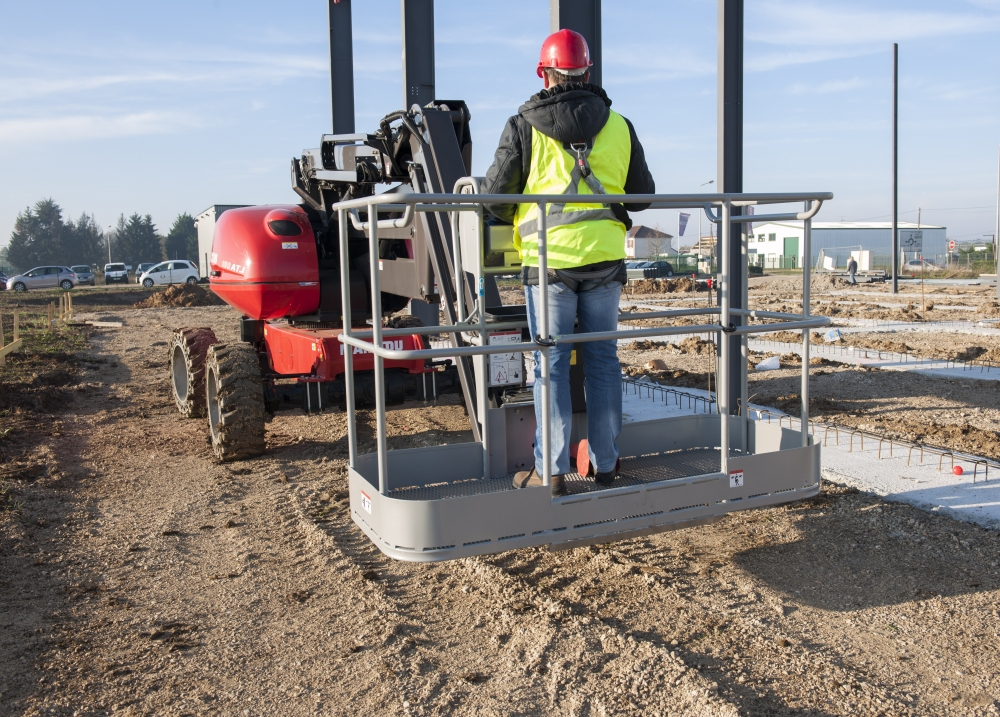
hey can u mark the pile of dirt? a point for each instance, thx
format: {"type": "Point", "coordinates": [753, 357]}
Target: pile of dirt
{"type": "Point", "coordinates": [989, 310]}
{"type": "Point", "coordinates": [644, 345]}
{"type": "Point", "coordinates": [665, 286]}
{"type": "Point", "coordinates": [181, 295]}
{"type": "Point", "coordinates": [674, 377]}
{"type": "Point", "coordinates": [883, 345]}
{"type": "Point", "coordinates": [793, 337]}
{"type": "Point", "coordinates": [822, 282]}
{"type": "Point", "coordinates": [694, 345]}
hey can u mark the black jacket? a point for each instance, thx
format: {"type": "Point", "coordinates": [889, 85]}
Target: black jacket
{"type": "Point", "coordinates": [572, 112]}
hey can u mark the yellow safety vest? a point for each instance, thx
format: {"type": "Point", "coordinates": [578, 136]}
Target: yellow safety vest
{"type": "Point", "coordinates": [577, 234]}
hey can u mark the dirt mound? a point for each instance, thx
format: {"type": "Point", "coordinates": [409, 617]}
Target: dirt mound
{"type": "Point", "coordinates": [990, 310]}
{"type": "Point", "coordinates": [665, 286]}
{"type": "Point", "coordinates": [823, 282]}
{"type": "Point", "coordinates": [694, 345]}
{"type": "Point", "coordinates": [181, 295]}
{"type": "Point", "coordinates": [792, 337]}
{"type": "Point", "coordinates": [883, 345]}
{"type": "Point", "coordinates": [644, 345]}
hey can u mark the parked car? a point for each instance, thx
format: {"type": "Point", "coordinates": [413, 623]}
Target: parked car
{"type": "Point", "coordinates": [3, 281]}
{"type": "Point", "coordinates": [44, 277]}
{"type": "Point", "coordinates": [142, 269]}
{"type": "Point", "coordinates": [170, 272]}
{"type": "Point", "coordinates": [115, 272]}
{"type": "Point", "coordinates": [84, 274]}
{"type": "Point", "coordinates": [663, 269]}
{"type": "Point", "coordinates": [913, 266]}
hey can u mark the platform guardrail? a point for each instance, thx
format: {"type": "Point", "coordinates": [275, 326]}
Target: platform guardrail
{"type": "Point", "coordinates": [717, 207]}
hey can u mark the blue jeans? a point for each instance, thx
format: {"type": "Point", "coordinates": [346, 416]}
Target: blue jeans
{"type": "Point", "coordinates": [597, 310]}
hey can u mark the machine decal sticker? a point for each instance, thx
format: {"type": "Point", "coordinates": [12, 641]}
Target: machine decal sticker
{"type": "Point", "coordinates": [396, 345]}
{"type": "Point", "coordinates": [366, 502]}
{"type": "Point", "coordinates": [235, 268]}
{"type": "Point", "coordinates": [215, 258]}
{"type": "Point", "coordinates": [736, 479]}
{"type": "Point", "coordinates": [506, 368]}
{"type": "Point", "coordinates": [289, 245]}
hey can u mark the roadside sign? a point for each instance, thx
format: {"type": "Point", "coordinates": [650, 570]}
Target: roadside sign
{"type": "Point", "coordinates": [911, 240]}
{"type": "Point", "coordinates": [951, 245]}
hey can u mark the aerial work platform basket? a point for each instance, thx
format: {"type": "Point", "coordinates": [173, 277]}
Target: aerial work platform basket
{"type": "Point", "coordinates": [452, 501]}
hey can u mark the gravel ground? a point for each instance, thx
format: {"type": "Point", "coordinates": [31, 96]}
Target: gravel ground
{"type": "Point", "coordinates": [141, 577]}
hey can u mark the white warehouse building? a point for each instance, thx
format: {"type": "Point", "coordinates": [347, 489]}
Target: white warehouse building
{"type": "Point", "coordinates": [778, 245]}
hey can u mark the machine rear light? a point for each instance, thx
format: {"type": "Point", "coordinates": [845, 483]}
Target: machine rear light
{"type": "Point", "coordinates": [285, 228]}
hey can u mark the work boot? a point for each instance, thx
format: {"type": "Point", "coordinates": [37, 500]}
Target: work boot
{"type": "Point", "coordinates": [606, 478]}
{"type": "Point", "coordinates": [531, 479]}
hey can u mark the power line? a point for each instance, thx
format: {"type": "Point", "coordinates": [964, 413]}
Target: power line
{"type": "Point", "coordinates": [913, 211]}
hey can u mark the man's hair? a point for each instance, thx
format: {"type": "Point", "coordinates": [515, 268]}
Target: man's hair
{"type": "Point", "coordinates": [561, 78]}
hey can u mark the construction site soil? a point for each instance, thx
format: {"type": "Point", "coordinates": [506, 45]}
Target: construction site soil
{"type": "Point", "coordinates": [181, 295]}
{"type": "Point", "coordinates": [139, 576]}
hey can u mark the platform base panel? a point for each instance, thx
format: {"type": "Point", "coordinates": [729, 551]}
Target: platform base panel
{"type": "Point", "coordinates": [438, 506]}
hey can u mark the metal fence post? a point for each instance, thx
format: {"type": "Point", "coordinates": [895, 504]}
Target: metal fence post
{"type": "Point", "coordinates": [724, 319]}
{"type": "Point", "coordinates": [383, 473]}
{"type": "Point", "coordinates": [345, 310]}
{"type": "Point", "coordinates": [543, 336]}
{"type": "Point", "coordinates": [806, 278]}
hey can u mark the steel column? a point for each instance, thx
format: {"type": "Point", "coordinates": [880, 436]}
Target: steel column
{"type": "Point", "coordinates": [341, 66]}
{"type": "Point", "coordinates": [584, 17]}
{"type": "Point", "coordinates": [418, 52]}
{"type": "Point", "coordinates": [730, 176]}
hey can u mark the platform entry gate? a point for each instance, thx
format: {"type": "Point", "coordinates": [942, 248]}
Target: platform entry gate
{"type": "Point", "coordinates": [452, 501]}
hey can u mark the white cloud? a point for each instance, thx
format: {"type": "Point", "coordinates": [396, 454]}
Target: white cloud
{"type": "Point", "coordinates": [79, 127]}
{"type": "Point", "coordinates": [774, 60]}
{"type": "Point", "coordinates": [810, 24]}
{"type": "Point", "coordinates": [45, 76]}
{"type": "Point", "coordinates": [829, 87]}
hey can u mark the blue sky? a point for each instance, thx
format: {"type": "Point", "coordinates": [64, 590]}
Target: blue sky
{"type": "Point", "coordinates": [114, 107]}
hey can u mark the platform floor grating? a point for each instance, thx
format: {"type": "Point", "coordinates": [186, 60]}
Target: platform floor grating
{"type": "Point", "coordinates": [638, 470]}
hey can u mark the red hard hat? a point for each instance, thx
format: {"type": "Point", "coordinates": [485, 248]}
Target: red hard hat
{"type": "Point", "coordinates": [564, 50]}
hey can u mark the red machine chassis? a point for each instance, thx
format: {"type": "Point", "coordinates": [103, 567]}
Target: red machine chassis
{"type": "Point", "coordinates": [317, 354]}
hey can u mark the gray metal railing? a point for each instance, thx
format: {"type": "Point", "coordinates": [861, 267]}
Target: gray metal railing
{"type": "Point", "coordinates": [454, 203]}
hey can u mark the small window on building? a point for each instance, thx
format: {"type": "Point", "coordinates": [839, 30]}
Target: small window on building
{"type": "Point", "coordinates": [760, 237]}
{"type": "Point", "coordinates": [771, 237]}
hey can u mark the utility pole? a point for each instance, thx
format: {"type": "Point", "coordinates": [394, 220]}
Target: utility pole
{"type": "Point", "coordinates": [341, 66]}
{"type": "Point", "coordinates": [730, 175]}
{"type": "Point", "coordinates": [895, 167]}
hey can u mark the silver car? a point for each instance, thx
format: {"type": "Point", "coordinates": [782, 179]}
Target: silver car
{"type": "Point", "coordinates": [84, 274]}
{"type": "Point", "coordinates": [44, 277]}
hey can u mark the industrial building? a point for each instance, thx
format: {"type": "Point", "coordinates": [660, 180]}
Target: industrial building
{"type": "Point", "coordinates": [778, 245]}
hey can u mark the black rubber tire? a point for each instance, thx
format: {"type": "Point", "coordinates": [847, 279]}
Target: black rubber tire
{"type": "Point", "coordinates": [191, 280]}
{"type": "Point", "coordinates": [148, 283]}
{"type": "Point", "coordinates": [20, 286]}
{"type": "Point", "coordinates": [234, 397]}
{"type": "Point", "coordinates": [186, 360]}
{"type": "Point", "coordinates": [669, 274]}
{"type": "Point", "coordinates": [66, 285]}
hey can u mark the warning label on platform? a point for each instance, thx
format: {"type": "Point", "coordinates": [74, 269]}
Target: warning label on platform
{"type": "Point", "coordinates": [506, 368]}
{"type": "Point", "coordinates": [366, 502]}
{"type": "Point", "coordinates": [735, 479]}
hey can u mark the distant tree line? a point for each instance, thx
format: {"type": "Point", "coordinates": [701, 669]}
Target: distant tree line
{"type": "Point", "coordinates": [42, 236]}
